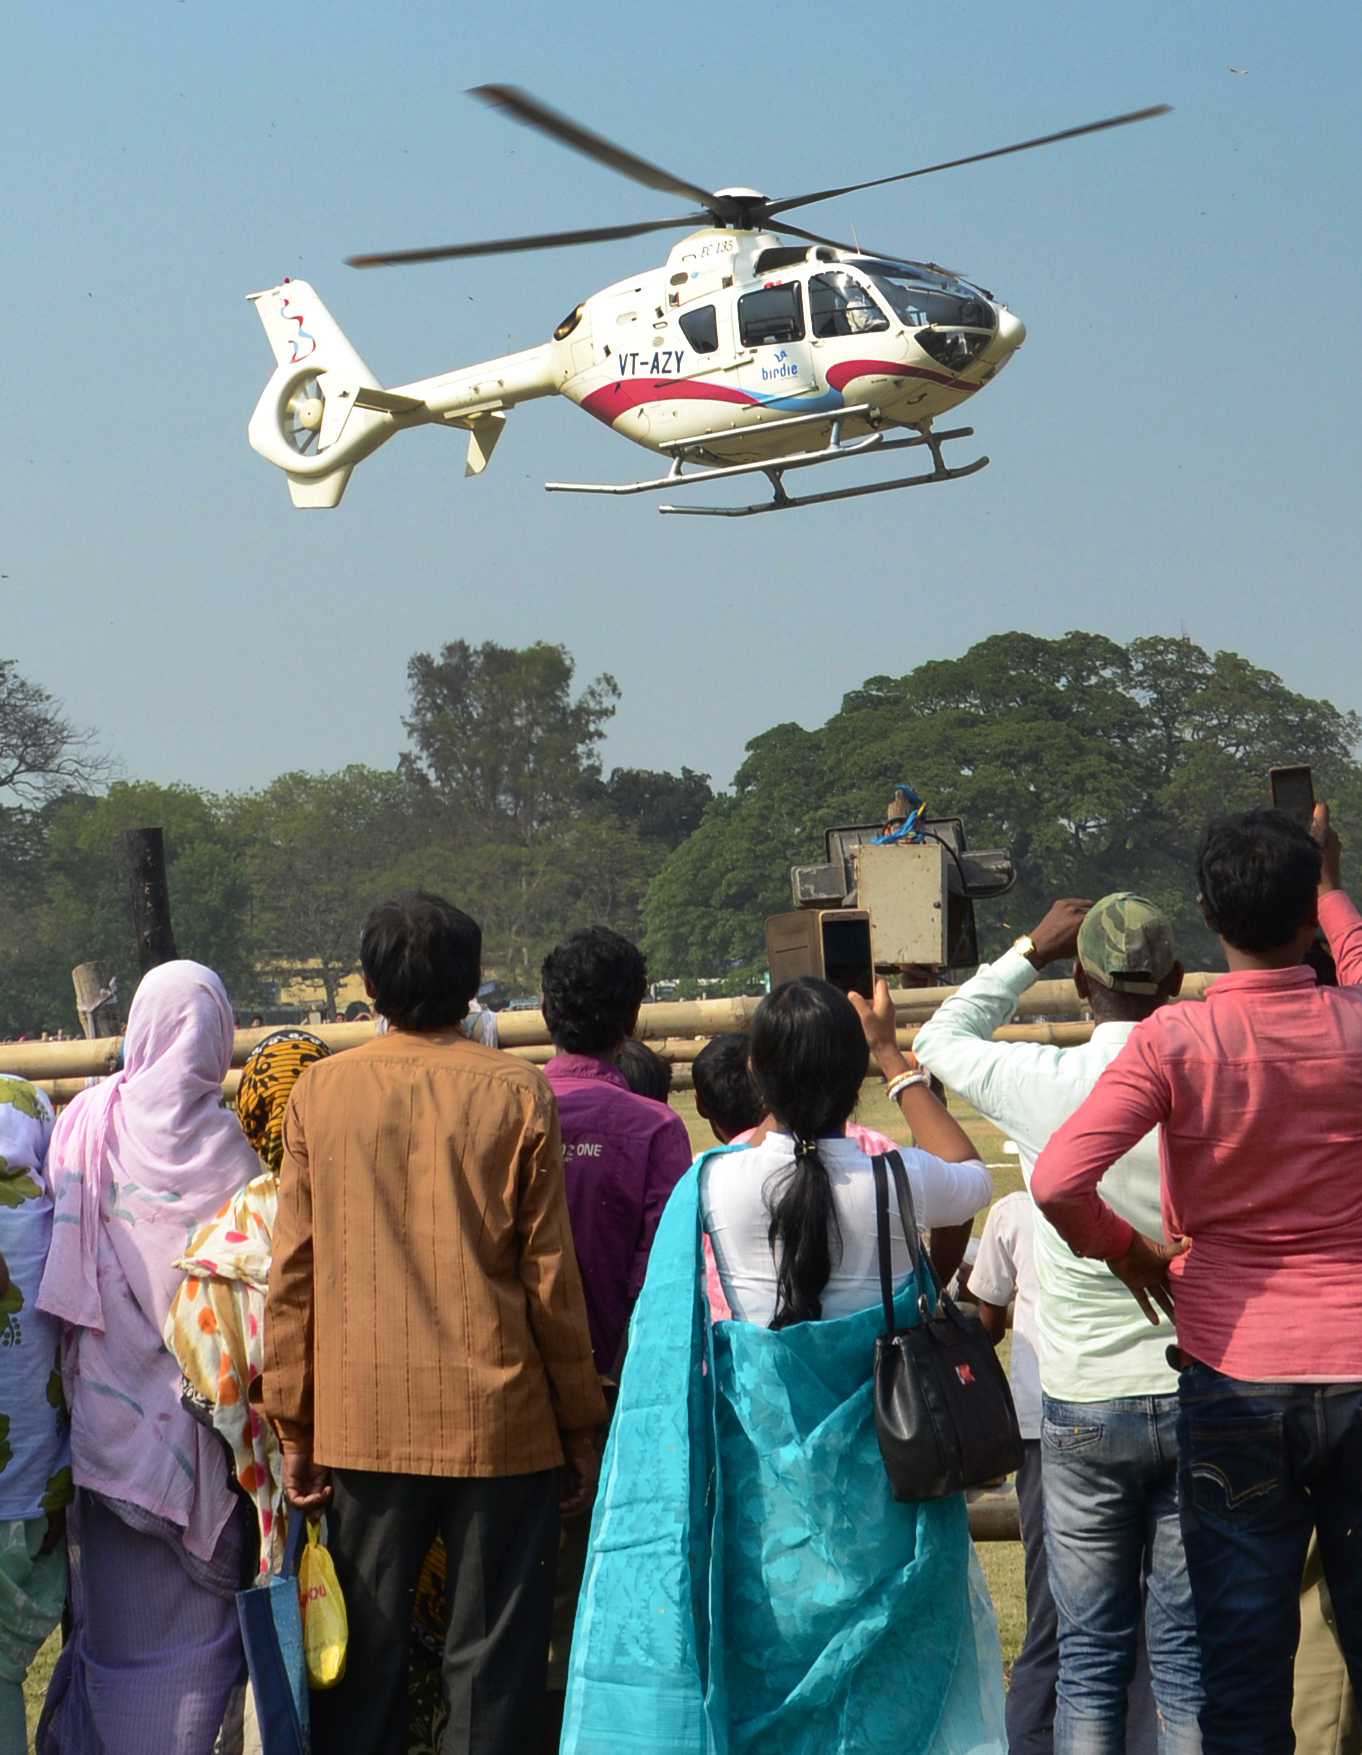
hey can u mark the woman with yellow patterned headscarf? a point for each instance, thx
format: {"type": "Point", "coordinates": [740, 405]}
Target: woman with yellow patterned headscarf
{"type": "Point", "coordinates": [216, 1324]}
{"type": "Point", "coordinates": [267, 1082]}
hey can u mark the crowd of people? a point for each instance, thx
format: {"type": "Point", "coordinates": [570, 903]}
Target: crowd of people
{"type": "Point", "coordinates": [589, 1421]}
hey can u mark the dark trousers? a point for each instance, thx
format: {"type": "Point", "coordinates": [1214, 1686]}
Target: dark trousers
{"type": "Point", "coordinates": [1261, 1465]}
{"type": "Point", "coordinates": [501, 1536]}
{"type": "Point", "coordinates": [1031, 1691]}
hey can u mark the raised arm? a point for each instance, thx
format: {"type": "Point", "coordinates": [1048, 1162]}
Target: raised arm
{"type": "Point", "coordinates": [999, 1079]}
{"type": "Point", "coordinates": [938, 1134]}
{"type": "Point", "coordinates": [935, 1129]}
{"type": "Point", "coordinates": [1341, 922]}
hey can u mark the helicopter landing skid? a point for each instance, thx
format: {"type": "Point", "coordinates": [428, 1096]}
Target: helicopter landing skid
{"type": "Point", "coordinates": [774, 472]}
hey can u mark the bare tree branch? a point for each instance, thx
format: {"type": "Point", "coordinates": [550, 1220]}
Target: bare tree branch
{"type": "Point", "coordinates": [41, 751]}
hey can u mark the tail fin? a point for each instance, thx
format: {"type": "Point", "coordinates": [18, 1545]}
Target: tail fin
{"type": "Point", "coordinates": [301, 330]}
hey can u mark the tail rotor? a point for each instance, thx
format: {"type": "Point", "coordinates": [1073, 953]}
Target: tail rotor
{"type": "Point", "coordinates": [303, 418]}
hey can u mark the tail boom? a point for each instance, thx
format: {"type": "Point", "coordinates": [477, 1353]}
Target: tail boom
{"type": "Point", "coordinates": [323, 410]}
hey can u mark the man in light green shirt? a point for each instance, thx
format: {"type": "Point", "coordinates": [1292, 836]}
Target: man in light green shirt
{"type": "Point", "coordinates": [1109, 1457]}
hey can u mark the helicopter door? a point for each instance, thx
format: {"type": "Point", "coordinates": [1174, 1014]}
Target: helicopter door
{"type": "Point", "coordinates": [773, 348]}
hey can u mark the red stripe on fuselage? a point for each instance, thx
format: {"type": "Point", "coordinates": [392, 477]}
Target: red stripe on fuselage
{"type": "Point", "coordinates": [613, 400]}
{"type": "Point", "coordinates": [617, 398]}
{"type": "Point", "coordinates": [839, 376]}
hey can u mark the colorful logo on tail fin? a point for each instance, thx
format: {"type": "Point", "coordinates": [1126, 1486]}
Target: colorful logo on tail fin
{"type": "Point", "coordinates": [299, 351]}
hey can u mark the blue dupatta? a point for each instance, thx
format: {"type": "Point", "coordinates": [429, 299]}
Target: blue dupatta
{"type": "Point", "coordinates": [752, 1588]}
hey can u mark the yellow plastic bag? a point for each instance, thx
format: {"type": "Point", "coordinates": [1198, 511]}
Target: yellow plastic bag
{"type": "Point", "coordinates": [326, 1630]}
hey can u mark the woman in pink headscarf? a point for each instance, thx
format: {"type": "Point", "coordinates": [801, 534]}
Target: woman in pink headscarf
{"type": "Point", "coordinates": [136, 1166]}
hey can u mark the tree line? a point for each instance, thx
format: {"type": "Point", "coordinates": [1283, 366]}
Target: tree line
{"type": "Point", "coordinates": [1097, 765]}
{"type": "Point", "coordinates": [499, 801]}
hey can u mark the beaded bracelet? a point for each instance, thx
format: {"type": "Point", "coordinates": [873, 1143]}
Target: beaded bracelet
{"type": "Point", "coordinates": [896, 1087]}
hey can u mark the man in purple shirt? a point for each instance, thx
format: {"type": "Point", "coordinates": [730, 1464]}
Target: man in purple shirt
{"type": "Point", "coordinates": [622, 1154]}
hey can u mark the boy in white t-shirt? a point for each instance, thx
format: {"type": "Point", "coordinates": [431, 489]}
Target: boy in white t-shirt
{"type": "Point", "coordinates": [1004, 1273]}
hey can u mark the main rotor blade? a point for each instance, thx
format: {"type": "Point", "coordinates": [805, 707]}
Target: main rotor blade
{"type": "Point", "coordinates": [562, 128]}
{"type": "Point", "coordinates": [543, 241]}
{"type": "Point", "coordinates": [974, 158]}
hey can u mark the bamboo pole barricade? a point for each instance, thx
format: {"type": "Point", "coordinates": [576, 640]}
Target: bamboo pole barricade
{"type": "Point", "coordinates": [676, 1030]}
{"type": "Point", "coordinates": [994, 1515]}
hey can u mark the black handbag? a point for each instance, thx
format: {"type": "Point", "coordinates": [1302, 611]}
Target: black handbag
{"type": "Point", "coordinates": [943, 1409]}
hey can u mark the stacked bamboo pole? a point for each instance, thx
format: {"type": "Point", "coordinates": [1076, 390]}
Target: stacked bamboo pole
{"type": "Point", "coordinates": [677, 1031]}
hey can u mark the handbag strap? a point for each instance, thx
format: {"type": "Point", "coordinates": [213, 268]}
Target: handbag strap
{"type": "Point", "coordinates": [293, 1542]}
{"type": "Point", "coordinates": [908, 1221]}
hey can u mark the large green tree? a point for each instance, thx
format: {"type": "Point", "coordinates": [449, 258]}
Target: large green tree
{"type": "Point", "coordinates": [320, 851]}
{"type": "Point", "coordinates": [1097, 765]}
{"type": "Point", "coordinates": [500, 738]}
{"type": "Point", "coordinates": [522, 828]}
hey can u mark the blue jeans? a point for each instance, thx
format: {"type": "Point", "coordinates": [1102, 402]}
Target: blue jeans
{"type": "Point", "coordinates": [1112, 1537]}
{"type": "Point", "coordinates": [1262, 1464]}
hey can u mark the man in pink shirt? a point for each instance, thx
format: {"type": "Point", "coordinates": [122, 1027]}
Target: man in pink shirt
{"type": "Point", "coordinates": [1258, 1093]}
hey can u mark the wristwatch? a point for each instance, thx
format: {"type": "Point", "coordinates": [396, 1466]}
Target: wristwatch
{"type": "Point", "coordinates": [1024, 945]}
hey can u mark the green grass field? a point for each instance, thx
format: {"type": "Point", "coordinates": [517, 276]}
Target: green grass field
{"type": "Point", "coordinates": [1002, 1561]}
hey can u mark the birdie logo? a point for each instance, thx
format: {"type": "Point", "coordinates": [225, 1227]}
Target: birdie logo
{"type": "Point", "coordinates": [781, 366]}
{"type": "Point", "coordinates": [299, 351]}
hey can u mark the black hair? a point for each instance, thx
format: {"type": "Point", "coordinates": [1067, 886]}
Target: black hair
{"type": "Point", "coordinates": [1257, 874]}
{"type": "Point", "coordinates": [593, 984]}
{"type": "Point", "coordinates": [809, 1057]}
{"type": "Point", "coordinates": [423, 958]}
{"type": "Point", "coordinates": [1109, 1005]}
{"type": "Point", "coordinates": [645, 1071]}
{"type": "Point", "coordinates": [725, 1092]}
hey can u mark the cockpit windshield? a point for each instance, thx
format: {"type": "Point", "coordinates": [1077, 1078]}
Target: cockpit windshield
{"type": "Point", "coordinates": [953, 321]}
{"type": "Point", "coordinates": [918, 307]}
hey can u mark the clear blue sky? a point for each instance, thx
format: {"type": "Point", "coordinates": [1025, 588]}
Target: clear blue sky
{"type": "Point", "coordinates": [1176, 445]}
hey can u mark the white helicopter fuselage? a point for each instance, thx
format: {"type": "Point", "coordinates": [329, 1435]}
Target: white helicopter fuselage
{"type": "Point", "coordinates": [738, 341]}
{"type": "Point", "coordinates": [754, 305]}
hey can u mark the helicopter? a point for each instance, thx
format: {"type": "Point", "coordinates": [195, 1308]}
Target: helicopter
{"type": "Point", "coordinates": [742, 354]}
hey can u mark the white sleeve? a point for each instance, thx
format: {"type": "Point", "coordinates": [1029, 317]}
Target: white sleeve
{"type": "Point", "coordinates": [946, 1194]}
{"type": "Point", "coordinates": [993, 1274]}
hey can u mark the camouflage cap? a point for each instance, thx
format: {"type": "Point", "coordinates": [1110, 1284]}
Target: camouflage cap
{"type": "Point", "coordinates": [1126, 943]}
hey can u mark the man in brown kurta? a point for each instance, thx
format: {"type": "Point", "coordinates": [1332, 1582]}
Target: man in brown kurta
{"type": "Point", "coordinates": [428, 1362]}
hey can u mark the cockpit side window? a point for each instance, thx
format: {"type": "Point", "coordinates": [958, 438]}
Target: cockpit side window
{"type": "Point", "coordinates": [701, 328]}
{"type": "Point", "coordinates": [774, 314]}
{"type": "Point", "coordinates": [839, 304]}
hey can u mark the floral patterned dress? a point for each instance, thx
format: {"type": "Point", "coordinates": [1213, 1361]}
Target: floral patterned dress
{"type": "Point", "coordinates": [215, 1331]}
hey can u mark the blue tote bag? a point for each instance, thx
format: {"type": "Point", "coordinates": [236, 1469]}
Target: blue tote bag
{"type": "Point", "coordinates": [272, 1632]}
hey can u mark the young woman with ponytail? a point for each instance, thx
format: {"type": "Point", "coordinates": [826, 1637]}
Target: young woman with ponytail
{"type": "Point", "coordinates": [752, 1585]}
{"type": "Point", "coordinates": [792, 1220]}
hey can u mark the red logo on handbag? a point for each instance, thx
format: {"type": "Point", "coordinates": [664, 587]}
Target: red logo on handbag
{"type": "Point", "coordinates": [964, 1373]}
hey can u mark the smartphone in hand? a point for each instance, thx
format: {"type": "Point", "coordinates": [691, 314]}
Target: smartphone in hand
{"type": "Point", "coordinates": [1293, 791]}
{"type": "Point", "coordinates": [847, 958]}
